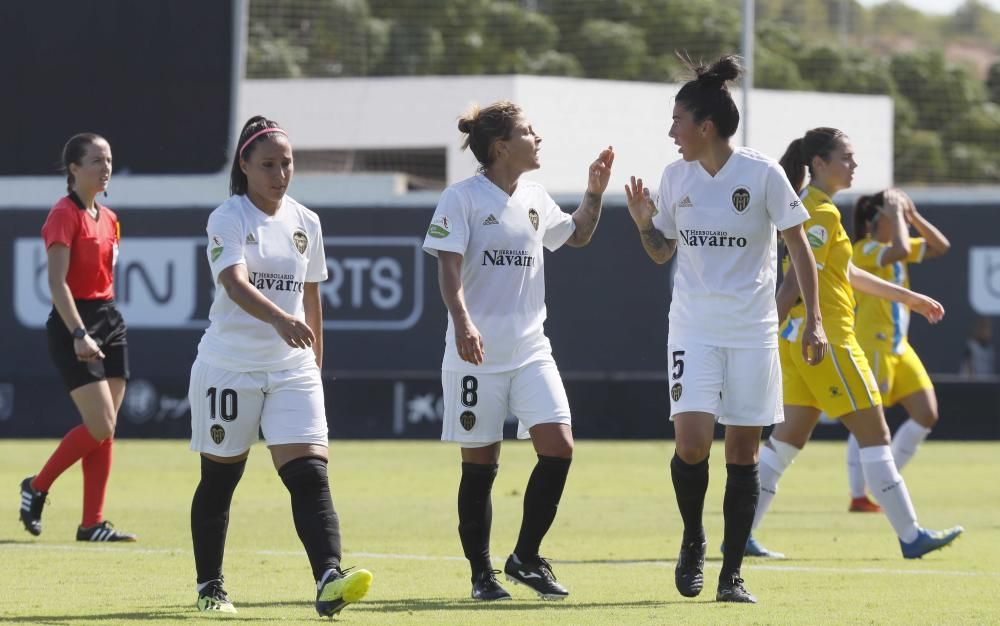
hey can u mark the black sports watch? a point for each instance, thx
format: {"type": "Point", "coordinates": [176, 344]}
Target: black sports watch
{"type": "Point", "coordinates": [79, 333]}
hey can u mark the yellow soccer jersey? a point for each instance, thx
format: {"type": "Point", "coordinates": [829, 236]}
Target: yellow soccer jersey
{"type": "Point", "coordinates": [832, 249]}
{"type": "Point", "coordinates": [880, 323]}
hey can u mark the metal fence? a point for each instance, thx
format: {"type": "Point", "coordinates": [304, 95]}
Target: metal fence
{"type": "Point", "coordinates": [942, 72]}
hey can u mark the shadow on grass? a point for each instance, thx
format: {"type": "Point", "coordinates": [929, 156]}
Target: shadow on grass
{"type": "Point", "coordinates": [748, 561]}
{"type": "Point", "coordinates": [412, 605]}
{"type": "Point", "coordinates": [175, 614]}
{"type": "Point", "coordinates": [164, 614]}
{"type": "Point", "coordinates": [611, 561]}
{"type": "Point", "coordinates": [415, 605]}
{"type": "Point", "coordinates": [664, 561]}
{"type": "Point", "coordinates": [169, 614]}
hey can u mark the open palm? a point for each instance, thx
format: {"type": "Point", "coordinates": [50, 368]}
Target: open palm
{"type": "Point", "coordinates": [640, 204]}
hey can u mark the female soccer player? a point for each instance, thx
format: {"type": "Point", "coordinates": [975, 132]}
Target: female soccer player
{"type": "Point", "coordinates": [488, 233]}
{"type": "Point", "coordinates": [843, 386]}
{"type": "Point", "coordinates": [883, 246]}
{"type": "Point", "coordinates": [86, 335]}
{"type": "Point", "coordinates": [719, 208]}
{"type": "Point", "coordinates": [258, 367]}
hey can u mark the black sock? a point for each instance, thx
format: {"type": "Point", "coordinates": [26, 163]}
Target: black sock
{"type": "Point", "coordinates": [541, 499]}
{"type": "Point", "coordinates": [210, 515]}
{"type": "Point", "coordinates": [738, 508]}
{"type": "Point", "coordinates": [312, 509]}
{"type": "Point", "coordinates": [690, 485]}
{"type": "Point", "coordinates": [475, 514]}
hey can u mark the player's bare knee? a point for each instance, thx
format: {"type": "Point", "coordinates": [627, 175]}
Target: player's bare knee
{"type": "Point", "coordinates": [741, 457]}
{"type": "Point", "coordinates": [561, 450]}
{"type": "Point", "coordinates": [873, 438]}
{"type": "Point", "coordinates": [101, 429]}
{"type": "Point", "coordinates": [692, 452]}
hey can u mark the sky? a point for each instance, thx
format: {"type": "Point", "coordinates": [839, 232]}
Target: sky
{"type": "Point", "coordinates": [935, 6]}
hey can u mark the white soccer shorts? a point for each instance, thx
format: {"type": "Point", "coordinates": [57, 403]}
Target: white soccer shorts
{"type": "Point", "coordinates": [740, 386]}
{"type": "Point", "coordinates": [228, 409]}
{"type": "Point", "coordinates": [476, 405]}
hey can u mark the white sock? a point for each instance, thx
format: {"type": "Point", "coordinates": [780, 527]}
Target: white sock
{"type": "Point", "coordinates": [855, 475]}
{"type": "Point", "coordinates": [905, 442]}
{"type": "Point", "coordinates": [890, 491]}
{"type": "Point", "coordinates": [773, 464]}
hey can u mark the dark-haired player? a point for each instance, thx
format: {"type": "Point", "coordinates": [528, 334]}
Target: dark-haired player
{"type": "Point", "coordinates": [719, 208]}
{"type": "Point", "coordinates": [258, 369]}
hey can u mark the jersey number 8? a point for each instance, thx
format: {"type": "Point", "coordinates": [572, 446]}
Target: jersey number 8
{"type": "Point", "coordinates": [469, 388]}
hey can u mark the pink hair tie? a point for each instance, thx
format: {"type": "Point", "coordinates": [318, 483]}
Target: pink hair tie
{"type": "Point", "coordinates": [258, 134]}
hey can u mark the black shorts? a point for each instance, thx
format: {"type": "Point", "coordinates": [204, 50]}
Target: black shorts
{"type": "Point", "coordinates": [105, 325]}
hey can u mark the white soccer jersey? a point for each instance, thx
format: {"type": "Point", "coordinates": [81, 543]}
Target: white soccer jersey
{"type": "Point", "coordinates": [726, 247]}
{"type": "Point", "coordinates": [501, 239]}
{"type": "Point", "coordinates": [281, 253]}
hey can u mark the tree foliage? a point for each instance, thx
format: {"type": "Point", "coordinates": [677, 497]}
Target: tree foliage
{"type": "Point", "coordinates": [947, 121]}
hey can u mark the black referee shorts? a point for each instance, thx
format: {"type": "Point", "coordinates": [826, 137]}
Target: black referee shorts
{"type": "Point", "coordinates": [105, 325]}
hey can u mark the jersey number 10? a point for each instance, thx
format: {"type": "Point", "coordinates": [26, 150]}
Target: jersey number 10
{"type": "Point", "coordinates": [223, 404]}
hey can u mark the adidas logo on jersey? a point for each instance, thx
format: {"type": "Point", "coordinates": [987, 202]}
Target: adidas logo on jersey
{"type": "Point", "coordinates": [489, 221]}
{"type": "Point", "coordinates": [685, 203]}
{"type": "Point", "coordinates": [251, 239]}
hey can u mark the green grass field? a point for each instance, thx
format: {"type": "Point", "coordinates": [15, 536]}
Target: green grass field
{"type": "Point", "coordinates": [613, 544]}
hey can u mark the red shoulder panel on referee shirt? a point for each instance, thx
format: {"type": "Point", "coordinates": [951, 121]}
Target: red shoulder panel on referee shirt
{"type": "Point", "coordinates": [91, 243]}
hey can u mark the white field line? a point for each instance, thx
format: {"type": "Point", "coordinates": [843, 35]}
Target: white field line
{"type": "Point", "coordinates": [752, 564]}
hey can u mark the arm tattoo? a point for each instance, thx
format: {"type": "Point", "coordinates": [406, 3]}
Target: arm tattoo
{"type": "Point", "coordinates": [658, 247]}
{"type": "Point", "coordinates": [653, 239]}
{"type": "Point", "coordinates": [591, 207]}
{"type": "Point", "coordinates": [586, 217]}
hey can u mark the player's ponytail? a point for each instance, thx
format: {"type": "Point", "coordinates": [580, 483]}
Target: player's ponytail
{"type": "Point", "coordinates": [794, 165]}
{"type": "Point", "coordinates": [708, 97]}
{"type": "Point", "coordinates": [799, 154]}
{"type": "Point", "coordinates": [482, 127]}
{"type": "Point", "coordinates": [73, 153]}
{"type": "Point", "coordinates": [244, 146]}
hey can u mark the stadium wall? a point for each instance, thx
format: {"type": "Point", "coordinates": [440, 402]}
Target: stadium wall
{"type": "Point", "coordinates": [385, 324]}
{"type": "Point", "coordinates": [576, 118]}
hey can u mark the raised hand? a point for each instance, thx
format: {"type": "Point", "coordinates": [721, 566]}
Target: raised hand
{"type": "Point", "coordinates": [909, 209]}
{"type": "Point", "coordinates": [640, 204]}
{"type": "Point", "coordinates": [895, 202]}
{"type": "Point", "coordinates": [600, 171]}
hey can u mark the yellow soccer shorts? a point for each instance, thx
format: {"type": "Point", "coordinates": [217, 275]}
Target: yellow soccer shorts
{"type": "Point", "coordinates": [898, 375]}
{"type": "Point", "coordinates": [841, 383]}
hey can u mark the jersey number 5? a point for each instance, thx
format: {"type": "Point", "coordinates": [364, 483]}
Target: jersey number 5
{"type": "Point", "coordinates": [222, 404]}
{"type": "Point", "coordinates": [678, 357]}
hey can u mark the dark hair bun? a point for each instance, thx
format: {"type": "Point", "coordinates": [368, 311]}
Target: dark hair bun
{"type": "Point", "coordinates": [722, 71]}
{"type": "Point", "coordinates": [470, 119]}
